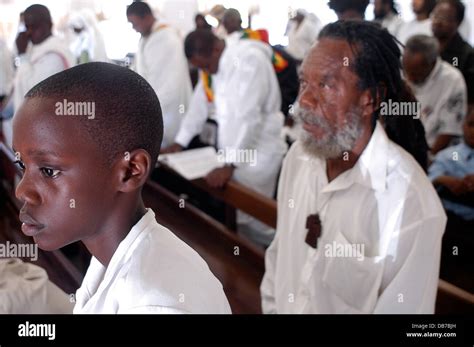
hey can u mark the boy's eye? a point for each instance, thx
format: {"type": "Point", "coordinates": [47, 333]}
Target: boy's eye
{"type": "Point", "coordinates": [50, 173]}
{"type": "Point", "coordinates": [20, 164]}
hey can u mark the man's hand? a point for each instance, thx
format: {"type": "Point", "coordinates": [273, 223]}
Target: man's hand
{"type": "Point", "coordinates": [455, 185]}
{"type": "Point", "coordinates": [174, 148]}
{"type": "Point", "coordinates": [22, 42]}
{"type": "Point", "coordinates": [218, 178]}
{"type": "Point", "coordinates": [469, 183]}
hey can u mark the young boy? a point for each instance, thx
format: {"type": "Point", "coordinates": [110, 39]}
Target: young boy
{"type": "Point", "coordinates": [87, 139]}
{"type": "Point", "coordinates": [453, 171]}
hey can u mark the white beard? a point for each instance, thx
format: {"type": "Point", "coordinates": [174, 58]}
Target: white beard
{"type": "Point", "coordinates": [335, 142]}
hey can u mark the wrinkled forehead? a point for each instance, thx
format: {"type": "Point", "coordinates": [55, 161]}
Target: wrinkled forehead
{"type": "Point", "coordinates": [329, 54]}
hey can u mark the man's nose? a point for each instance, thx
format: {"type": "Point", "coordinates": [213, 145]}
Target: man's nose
{"type": "Point", "coordinates": [307, 98]}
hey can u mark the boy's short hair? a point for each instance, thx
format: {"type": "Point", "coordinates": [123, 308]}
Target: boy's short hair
{"type": "Point", "coordinates": [127, 110]}
{"type": "Point", "coordinates": [139, 8]}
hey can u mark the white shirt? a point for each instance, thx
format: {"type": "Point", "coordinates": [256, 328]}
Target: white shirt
{"type": "Point", "coordinates": [161, 61]}
{"type": "Point", "coordinates": [247, 109]}
{"type": "Point", "coordinates": [152, 271]}
{"type": "Point", "coordinates": [38, 63]}
{"type": "Point", "coordinates": [443, 99]}
{"type": "Point", "coordinates": [302, 38]}
{"type": "Point", "coordinates": [414, 27]}
{"type": "Point", "coordinates": [385, 203]}
{"type": "Point", "coordinates": [393, 23]}
{"type": "Point", "coordinates": [6, 69]}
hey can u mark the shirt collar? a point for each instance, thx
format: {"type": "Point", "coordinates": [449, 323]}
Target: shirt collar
{"type": "Point", "coordinates": [125, 248]}
{"type": "Point", "coordinates": [466, 152]}
{"type": "Point", "coordinates": [372, 164]}
{"type": "Point", "coordinates": [98, 277]}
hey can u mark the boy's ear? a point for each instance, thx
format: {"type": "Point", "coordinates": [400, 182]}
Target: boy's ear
{"type": "Point", "coordinates": [133, 170]}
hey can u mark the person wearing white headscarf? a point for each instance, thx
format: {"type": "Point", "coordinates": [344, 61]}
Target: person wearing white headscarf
{"type": "Point", "coordinates": [303, 31]}
{"type": "Point", "coordinates": [88, 44]}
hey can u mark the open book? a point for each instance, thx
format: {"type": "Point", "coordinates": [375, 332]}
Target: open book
{"type": "Point", "coordinates": [194, 163]}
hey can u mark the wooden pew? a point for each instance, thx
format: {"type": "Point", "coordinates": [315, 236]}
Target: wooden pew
{"type": "Point", "coordinates": [450, 298]}
{"type": "Point", "coordinates": [236, 196]}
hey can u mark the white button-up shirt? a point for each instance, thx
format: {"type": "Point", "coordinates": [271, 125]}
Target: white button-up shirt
{"type": "Point", "coordinates": [414, 27]}
{"type": "Point", "coordinates": [152, 271]}
{"type": "Point", "coordinates": [379, 251]}
{"type": "Point", "coordinates": [393, 23]}
{"type": "Point", "coordinates": [443, 98]}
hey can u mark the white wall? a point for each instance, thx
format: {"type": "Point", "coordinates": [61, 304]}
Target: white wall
{"type": "Point", "coordinates": [121, 39]}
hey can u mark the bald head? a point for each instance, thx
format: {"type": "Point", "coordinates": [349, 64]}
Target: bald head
{"type": "Point", "coordinates": [38, 23]}
{"type": "Point", "coordinates": [232, 20]}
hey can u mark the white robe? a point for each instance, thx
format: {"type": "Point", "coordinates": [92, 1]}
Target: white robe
{"type": "Point", "coordinates": [38, 63]}
{"type": "Point", "coordinates": [161, 61]}
{"type": "Point", "coordinates": [384, 203]}
{"type": "Point", "coordinates": [152, 271]}
{"type": "Point", "coordinates": [247, 109]}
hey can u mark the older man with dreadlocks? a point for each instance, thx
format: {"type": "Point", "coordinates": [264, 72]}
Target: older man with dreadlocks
{"type": "Point", "coordinates": [359, 224]}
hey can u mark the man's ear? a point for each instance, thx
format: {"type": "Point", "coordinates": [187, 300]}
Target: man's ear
{"type": "Point", "coordinates": [369, 104]}
{"type": "Point", "coordinates": [133, 170]}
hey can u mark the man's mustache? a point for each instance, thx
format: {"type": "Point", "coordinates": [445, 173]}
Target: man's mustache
{"type": "Point", "coordinates": [309, 117]}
